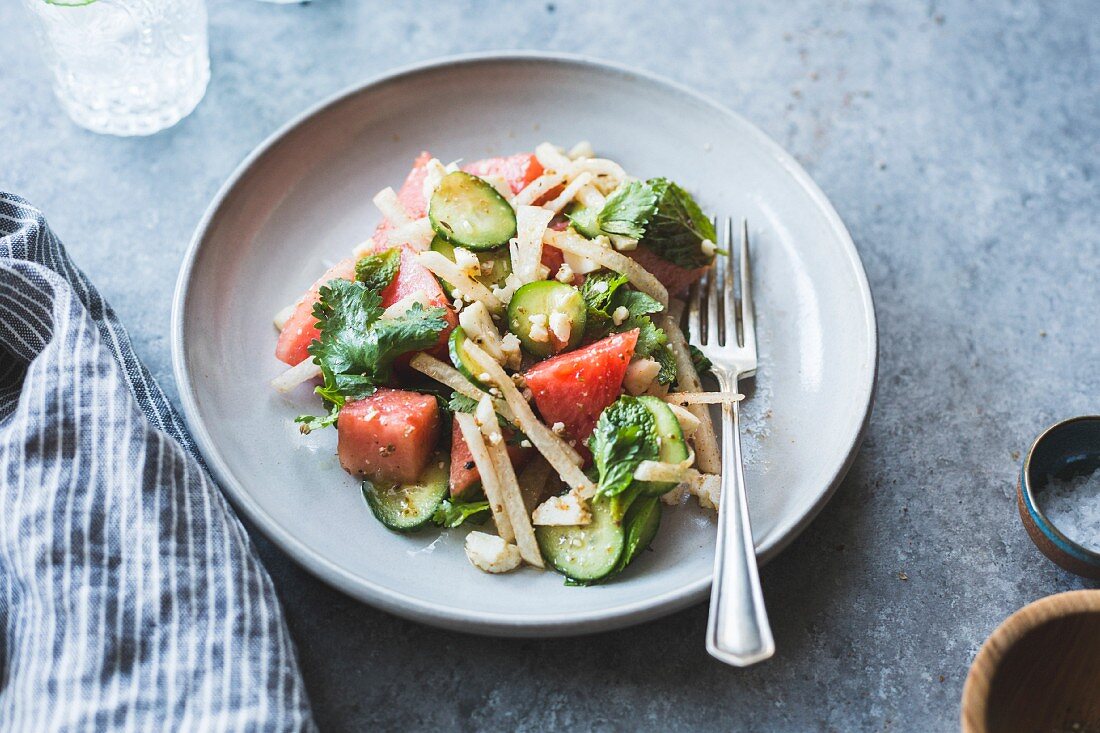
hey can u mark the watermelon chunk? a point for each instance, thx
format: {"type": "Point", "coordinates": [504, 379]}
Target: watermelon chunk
{"type": "Point", "coordinates": [388, 436]}
{"type": "Point", "coordinates": [519, 169]}
{"type": "Point", "coordinates": [574, 388]}
{"type": "Point", "coordinates": [677, 279]}
{"type": "Point", "coordinates": [464, 474]}
{"type": "Point", "coordinates": [301, 328]}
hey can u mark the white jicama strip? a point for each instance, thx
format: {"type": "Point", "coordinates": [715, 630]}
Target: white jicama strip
{"type": "Point", "coordinates": [478, 325]}
{"type": "Point", "coordinates": [552, 158]}
{"type": "Point", "coordinates": [490, 482]}
{"type": "Point", "coordinates": [568, 193]}
{"type": "Point", "coordinates": [526, 248]}
{"type": "Point", "coordinates": [471, 289]}
{"type": "Point", "coordinates": [284, 315]}
{"type": "Point", "coordinates": [538, 188]}
{"type": "Point", "coordinates": [703, 398]}
{"type": "Point", "coordinates": [591, 198]}
{"type": "Point", "coordinates": [434, 170]}
{"type": "Point", "coordinates": [510, 493]}
{"type": "Point", "coordinates": [500, 183]}
{"type": "Point", "coordinates": [706, 442]}
{"type": "Point", "coordinates": [583, 149]}
{"type": "Point", "coordinates": [638, 276]}
{"type": "Point", "coordinates": [608, 175]}
{"type": "Point", "coordinates": [688, 422]}
{"type": "Point", "coordinates": [291, 378]}
{"type": "Point", "coordinates": [417, 234]}
{"type": "Point", "coordinates": [402, 306]}
{"type": "Point", "coordinates": [448, 375]}
{"type": "Point", "coordinates": [387, 202]}
{"type": "Point", "coordinates": [564, 459]}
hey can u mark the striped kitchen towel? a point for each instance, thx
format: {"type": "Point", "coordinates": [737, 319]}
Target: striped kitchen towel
{"type": "Point", "coordinates": [130, 596]}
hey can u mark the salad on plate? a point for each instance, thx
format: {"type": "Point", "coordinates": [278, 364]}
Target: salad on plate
{"type": "Point", "coordinates": [505, 352]}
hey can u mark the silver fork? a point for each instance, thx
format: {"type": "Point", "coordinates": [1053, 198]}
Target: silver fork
{"type": "Point", "coordinates": [724, 329]}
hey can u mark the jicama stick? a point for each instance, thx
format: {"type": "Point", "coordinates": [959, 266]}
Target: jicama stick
{"type": "Point", "coordinates": [490, 482]}
{"type": "Point", "coordinates": [470, 289]}
{"type": "Point", "coordinates": [706, 442]}
{"type": "Point", "coordinates": [568, 193]}
{"type": "Point", "coordinates": [391, 207]}
{"type": "Point", "coordinates": [537, 188]}
{"type": "Point", "coordinates": [563, 458]}
{"type": "Point", "coordinates": [703, 398]}
{"type": "Point", "coordinates": [448, 375]}
{"type": "Point", "coordinates": [514, 506]}
{"type": "Point", "coordinates": [284, 315]}
{"type": "Point", "coordinates": [638, 276]}
{"type": "Point", "coordinates": [295, 375]}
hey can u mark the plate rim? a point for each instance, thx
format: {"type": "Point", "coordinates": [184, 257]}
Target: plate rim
{"type": "Point", "coordinates": [457, 618]}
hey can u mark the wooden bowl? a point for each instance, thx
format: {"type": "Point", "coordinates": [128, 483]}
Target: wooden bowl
{"type": "Point", "coordinates": [1039, 671]}
{"type": "Point", "coordinates": [1064, 450]}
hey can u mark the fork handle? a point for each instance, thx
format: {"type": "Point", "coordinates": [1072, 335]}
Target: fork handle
{"type": "Point", "coordinates": [738, 632]}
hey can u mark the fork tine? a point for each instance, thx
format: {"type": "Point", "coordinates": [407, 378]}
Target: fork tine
{"type": "Point", "coordinates": [695, 328]}
{"type": "Point", "coordinates": [732, 316]}
{"type": "Point", "coordinates": [748, 309]}
{"type": "Point", "coordinates": [714, 331]}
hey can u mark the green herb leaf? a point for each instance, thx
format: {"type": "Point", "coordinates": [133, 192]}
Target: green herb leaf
{"type": "Point", "coordinates": [604, 293]}
{"type": "Point", "coordinates": [309, 423]}
{"type": "Point", "coordinates": [452, 512]}
{"type": "Point", "coordinates": [701, 363]}
{"type": "Point", "coordinates": [461, 403]}
{"type": "Point", "coordinates": [357, 347]}
{"type": "Point", "coordinates": [627, 210]}
{"type": "Point", "coordinates": [377, 271]}
{"type": "Point", "coordinates": [625, 435]}
{"type": "Point", "coordinates": [664, 357]}
{"type": "Point", "coordinates": [677, 227]}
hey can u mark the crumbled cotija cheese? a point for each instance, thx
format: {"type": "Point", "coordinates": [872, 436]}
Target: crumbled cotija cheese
{"type": "Point", "coordinates": [621, 314]}
{"type": "Point", "coordinates": [468, 262]}
{"type": "Point", "coordinates": [708, 247]}
{"type": "Point", "coordinates": [560, 326]}
{"type": "Point", "coordinates": [565, 274]}
{"type": "Point", "coordinates": [538, 330]}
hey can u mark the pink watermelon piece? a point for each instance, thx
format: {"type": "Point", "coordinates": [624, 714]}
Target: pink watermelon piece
{"type": "Point", "coordinates": [388, 436]}
{"type": "Point", "coordinates": [519, 169]}
{"type": "Point", "coordinates": [464, 473]}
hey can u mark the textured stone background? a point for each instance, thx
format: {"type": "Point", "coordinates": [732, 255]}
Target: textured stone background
{"type": "Point", "coordinates": [959, 141]}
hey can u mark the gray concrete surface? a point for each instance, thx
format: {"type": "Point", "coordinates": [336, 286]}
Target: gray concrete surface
{"type": "Point", "coordinates": [960, 141]}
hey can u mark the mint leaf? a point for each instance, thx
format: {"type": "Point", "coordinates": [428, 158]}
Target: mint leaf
{"type": "Point", "coordinates": [606, 292]}
{"type": "Point", "coordinates": [625, 435]}
{"type": "Point", "coordinates": [627, 210]}
{"type": "Point", "coordinates": [378, 270]}
{"type": "Point", "coordinates": [664, 357]}
{"type": "Point", "coordinates": [452, 513]}
{"type": "Point", "coordinates": [677, 227]}
{"type": "Point", "coordinates": [357, 347]}
{"type": "Point", "coordinates": [701, 363]}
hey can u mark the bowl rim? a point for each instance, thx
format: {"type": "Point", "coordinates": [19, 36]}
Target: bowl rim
{"type": "Point", "coordinates": [1037, 516]}
{"type": "Point", "coordinates": [976, 689]}
{"type": "Point", "coordinates": [396, 601]}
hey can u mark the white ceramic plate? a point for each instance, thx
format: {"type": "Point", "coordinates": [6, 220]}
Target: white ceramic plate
{"type": "Point", "coordinates": [303, 199]}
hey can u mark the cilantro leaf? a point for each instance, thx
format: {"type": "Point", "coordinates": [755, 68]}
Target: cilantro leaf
{"type": "Point", "coordinates": [677, 227]}
{"type": "Point", "coordinates": [378, 270]}
{"type": "Point", "coordinates": [664, 357]}
{"type": "Point", "coordinates": [309, 423]}
{"type": "Point", "coordinates": [461, 403]}
{"type": "Point", "coordinates": [357, 347]}
{"type": "Point", "coordinates": [452, 513]}
{"type": "Point", "coordinates": [627, 210]}
{"type": "Point", "coordinates": [625, 435]}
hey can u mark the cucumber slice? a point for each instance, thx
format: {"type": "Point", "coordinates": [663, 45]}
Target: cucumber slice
{"type": "Point", "coordinates": [584, 553]}
{"type": "Point", "coordinates": [584, 221]}
{"type": "Point", "coordinates": [496, 265]}
{"type": "Point", "coordinates": [462, 360]}
{"type": "Point", "coordinates": [545, 298]}
{"type": "Point", "coordinates": [642, 521]}
{"type": "Point", "coordinates": [407, 507]}
{"type": "Point", "coordinates": [673, 447]}
{"type": "Point", "coordinates": [468, 212]}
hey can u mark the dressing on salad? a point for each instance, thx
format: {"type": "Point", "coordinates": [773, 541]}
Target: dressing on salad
{"type": "Point", "coordinates": [505, 351]}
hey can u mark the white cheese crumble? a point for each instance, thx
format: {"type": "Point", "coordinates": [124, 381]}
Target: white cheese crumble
{"type": "Point", "coordinates": [708, 247]}
{"type": "Point", "coordinates": [565, 275]}
{"type": "Point", "coordinates": [468, 262]}
{"type": "Point", "coordinates": [538, 331]}
{"type": "Point", "coordinates": [562, 511]}
{"type": "Point", "coordinates": [558, 427]}
{"type": "Point", "coordinates": [510, 348]}
{"type": "Point", "coordinates": [620, 314]}
{"type": "Point", "coordinates": [490, 553]}
{"type": "Point", "coordinates": [560, 326]}
{"type": "Point", "coordinates": [640, 374]}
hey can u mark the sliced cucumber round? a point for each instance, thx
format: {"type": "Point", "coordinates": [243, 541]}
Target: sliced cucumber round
{"type": "Point", "coordinates": [407, 507]}
{"type": "Point", "coordinates": [496, 265]}
{"type": "Point", "coordinates": [584, 221]}
{"type": "Point", "coordinates": [543, 299]}
{"type": "Point", "coordinates": [642, 521]}
{"type": "Point", "coordinates": [468, 212]}
{"type": "Point", "coordinates": [462, 361]}
{"type": "Point", "coordinates": [672, 446]}
{"type": "Point", "coordinates": [584, 553]}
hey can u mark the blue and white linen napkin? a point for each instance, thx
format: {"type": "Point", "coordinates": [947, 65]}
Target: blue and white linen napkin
{"type": "Point", "coordinates": [130, 596]}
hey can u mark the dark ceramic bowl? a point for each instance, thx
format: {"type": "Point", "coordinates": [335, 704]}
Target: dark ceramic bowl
{"type": "Point", "coordinates": [1067, 449]}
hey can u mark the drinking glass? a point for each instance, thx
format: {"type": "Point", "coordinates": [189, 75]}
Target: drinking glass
{"type": "Point", "coordinates": [125, 67]}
